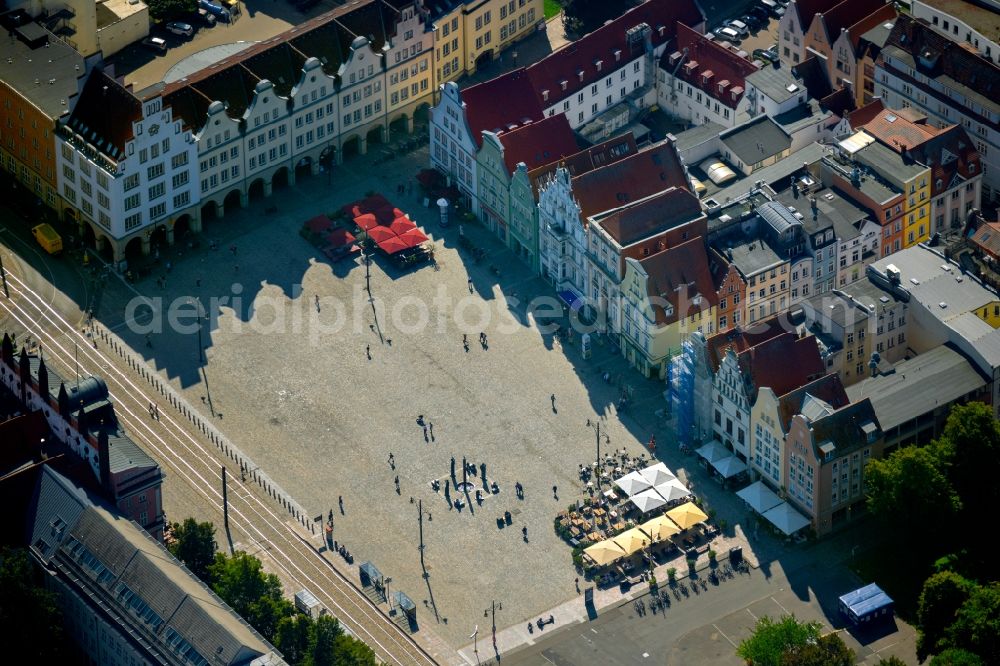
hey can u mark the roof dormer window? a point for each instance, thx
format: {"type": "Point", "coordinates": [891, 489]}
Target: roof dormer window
{"type": "Point", "coordinates": [598, 63]}
{"type": "Point", "coordinates": [580, 74]}
{"type": "Point", "coordinates": [564, 84]}
{"type": "Point", "coordinates": [618, 55]}
{"type": "Point", "coordinates": [545, 95]}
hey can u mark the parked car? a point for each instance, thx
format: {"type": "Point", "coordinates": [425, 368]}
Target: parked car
{"type": "Point", "coordinates": [762, 14]}
{"type": "Point", "coordinates": [155, 44]}
{"type": "Point", "coordinates": [766, 55]}
{"type": "Point", "coordinates": [729, 35]}
{"type": "Point", "coordinates": [771, 6]}
{"type": "Point", "coordinates": [753, 22]}
{"type": "Point", "coordinates": [179, 28]}
{"type": "Point", "coordinates": [204, 16]}
{"type": "Point", "coordinates": [220, 13]}
{"type": "Point", "coordinates": [48, 238]}
{"type": "Point", "coordinates": [741, 28]}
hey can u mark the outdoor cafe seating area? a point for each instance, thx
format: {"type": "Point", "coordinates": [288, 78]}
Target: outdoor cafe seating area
{"type": "Point", "coordinates": [389, 230]}
{"type": "Point", "coordinates": [645, 516]}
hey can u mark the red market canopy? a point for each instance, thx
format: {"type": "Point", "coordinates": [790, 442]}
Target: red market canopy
{"type": "Point", "coordinates": [393, 245]}
{"type": "Point", "coordinates": [413, 237]}
{"type": "Point", "coordinates": [340, 237]}
{"type": "Point", "coordinates": [366, 221]}
{"type": "Point", "coordinates": [401, 225]}
{"type": "Point", "coordinates": [379, 233]}
{"type": "Point", "coordinates": [319, 224]}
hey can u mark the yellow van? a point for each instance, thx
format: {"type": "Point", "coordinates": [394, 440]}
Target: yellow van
{"type": "Point", "coordinates": [48, 238]}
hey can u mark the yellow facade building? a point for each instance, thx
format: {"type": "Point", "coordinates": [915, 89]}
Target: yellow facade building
{"type": "Point", "coordinates": [473, 33]}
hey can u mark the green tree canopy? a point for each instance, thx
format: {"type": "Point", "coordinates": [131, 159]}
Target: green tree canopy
{"type": "Point", "coordinates": [977, 625]}
{"type": "Point", "coordinates": [771, 639]}
{"type": "Point", "coordinates": [891, 661]}
{"type": "Point", "coordinates": [241, 582]}
{"type": "Point", "coordinates": [909, 489]}
{"type": "Point", "coordinates": [942, 595]}
{"type": "Point", "coordinates": [195, 546]}
{"type": "Point", "coordinates": [30, 621]}
{"type": "Point", "coordinates": [956, 657]}
{"type": "Point", "coordinates": [829, 650]}
{"type": "Point", "coordinates": [972, 440]}
{"type": "Point", "coordinates": [168, 10]}
{"type": "Point", "coordinates": [583, 16]}
{"type": "Point", "coordinates": [322, 649]}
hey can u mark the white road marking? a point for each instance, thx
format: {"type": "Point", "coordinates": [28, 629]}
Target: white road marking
{"type": "Point", "coordinates": [780, 606]}
{"type": "Point", "coordinates": [751, 614]}
{"type": "Point", "coordinates": [724, 634]}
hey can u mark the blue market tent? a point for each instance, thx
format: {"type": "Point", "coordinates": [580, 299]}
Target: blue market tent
{"type": "Point", "coordinates": [866, 604]}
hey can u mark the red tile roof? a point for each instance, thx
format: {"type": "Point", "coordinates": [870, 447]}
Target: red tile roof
{"type": "Point", "coordinates": [884, 14]}
{"type": "Point", "coordinates": [987, 237]}
{"type": "Point", "coordinates": [660, 212]}
{"type": "Point", "coordinates": [680, 275]}
{"type": "Point", "coordinates": [567, 63]}
{"type": "Point", "coordinates": [721, 66]}
{"type": "Point", "coordinates": [648, 172]}
{"type": "Point", "coordinates": [950, 154]}
{"type": "Point", "coordinates": [783, 363]}
{"type": "Point", "coordinates": [828, 388]}
{"type": "Point", "coordinates": [845, 14]}
{"type": "Point", "coordinates": [610, 151]}
{"type": "Point", "coordinates": [538, 143]}
{"type": "Point", "coordinates": [895, 131]}
{"type": "Point", "coordinates": [501, 104]}
{"type": "Point", "coordinates": [741, 339]}
{"type": "Point", "coordinates": [863, 115]}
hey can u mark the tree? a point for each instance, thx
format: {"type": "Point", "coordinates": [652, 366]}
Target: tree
{"type": "Point", "coordinates": [29, 617]}
{"type": "Point", "coordinates": [324, 642]}
{"type": "Point", "coordinates": [293, 637]}
{"type": "Point", "coordinates": [829, 650]}
{"type": "Point", "coordinates": [891, 661]}
{"type": "Point", "coordinates": [242, 583]}
{"type": "Point", "coordinates": [167, 10]}
{"type": "Point", "coordinates": [977, 624]}
{"type": "Point", "coordinates": [195, 546]}
{"type": "Point", "coordinates": [909, 489]}
{"type": "Point", "coordinates": [972, 439]}
{"type": "Point", "coordinates": [956, 657]}
{"type": "Point", "coordinates": [352, 652]}
{"type": "Point", "coordinates": [770, 640]}
{"type": "Point", "coordinates": [266, 613]}
{"type": "Point", "coordinates": [583, 16]}
{"type": "Point", "coordinates": [942, 595]}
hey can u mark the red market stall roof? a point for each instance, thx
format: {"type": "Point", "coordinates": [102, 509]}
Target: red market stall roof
{"type": "Point", "coordinates": [366, 221]}
{"type": "Point", "coordinates": [340, 237]}
{"type": "Point", "coordinates": [379, 233]}
{"type": "Point", "coordinates": [413, 237]}
{"type": "Point", "coordinates": [401, 225]}
{"type": "Point", "coordinates": [319, 224]}
{"type": "Point", "coordinates": [393, 245]}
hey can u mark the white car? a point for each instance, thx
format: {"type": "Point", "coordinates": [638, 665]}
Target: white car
{"type": "Point", "coordinates": [729, 35]}
{"type": "Point", "coordinates": [182, 29]}
{"type": "Point", "coordinates": [155, 43]}
{"type": "Point", "coordinates": [740, 27]}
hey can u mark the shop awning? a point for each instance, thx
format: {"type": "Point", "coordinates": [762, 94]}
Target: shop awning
{"type": "Point", "coordinates": [401, 225]}
{"type": "Point", "coordinates": [648, 500]}
{"type": "Point", "coordinates": [572, 299]}
{"type": "Point", "coordinates": [729, 467]}
{"type": "Point", "coordinates": [672, 490]}
{"type": "Point", "coordinates": [687, 515]}
{"type": "Point", "coordinates": [759, 497]}
{"type": "Point", "coordinates": [786, 518]}
{"type": "Point", "coordinates": [714, 451]}
{"type": "Point", "coordinates": [604, 552]}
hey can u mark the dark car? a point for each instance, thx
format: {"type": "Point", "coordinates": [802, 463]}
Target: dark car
{"type": "Point", "coordinates": [762, 14]}
{"type": "Point", "coordinates": [753, 22]}
{"type": "Point", "coordinates": [765, 55]}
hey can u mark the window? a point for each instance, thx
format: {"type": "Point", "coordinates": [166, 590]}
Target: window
{"type": "Point", "coordinates": [157, 211]}
{"type": "Point", "coordinates": [132, 201]}
{"type": "Point", "coordinates": [154, 171]}
{"type": "Point", "coordinates": [179, 180]}
{"type": "Point", "coordinates": [157, 191]}
{"type": "Point", "coordinates": [133, 221]}
{"type": "Point", "coordinates": [182, 199]}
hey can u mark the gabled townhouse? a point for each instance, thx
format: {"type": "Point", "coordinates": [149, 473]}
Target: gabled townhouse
{"type": "Point", "coordinates": [700, 80]}
{"type": "Point", "coordinates": [127, 167]}
{"type": "Point", "coordinates": [499, 157]}
{"type": "Point", "coordinates": [730, 291]}
{"type": "Point", "coordinates": [948, 83]}
{"type": "Point", "coordinates": [794, 26]}
{"type": "Point", "coordinates": [567, 202]}
{"type": "Point", "coordinates": [81, 417]}
{"type": "Point", "coordinates": [764, 271]}
{"type": "Point", "coordinates": [635, 229]}
{"type": "Point", "coordinates": [827, 449]}
{"type": "Point", "coordinates": [614, 64]}
{"type": "Point", "coordinates": [666, 296]}
{"type": "Point", "coordinates": [973, 23]}
{"type": "Point", "coordinates": [869, 46]}
{"type": "Point", "coordinates": [886, 333]}
{"type": "Point", "coordinates": [38, 77]}
{"type": "Point", "coordinates": [526, 185]}
{"type": "Point", "coordinates": [315, 93]}
{"type": "Point", "coordinates": [782, 363]}
{"type": "Point", "coordinates": [827, 28]}
{"type": "Point", "coordinates": [845, 55]}
{"type": "Point", "coordinates": [460, 117]}
{"type": "Point", "coordinates": [842, 326]}
{"type": "Point", "coordinates": [771, 419]}
{"type": "Point", "coordinates": [956, 173]}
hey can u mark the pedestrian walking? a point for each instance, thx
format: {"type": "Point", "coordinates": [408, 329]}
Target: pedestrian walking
{"type": "Point", "coordinates": [452, 467]}
{"type": "Point", "coordinates": [317, 302]}
{"type": "Point", "coordinates": [232, 248]}
{"type": "Point", "coordinates": [392, 460]}
{"type": "Point", "coordinates": [432, 431]}
{"type": "Point", "coordinates": [397, 484]}
{"type": "Point", "coordinates": [470, 285]}
{"type": "Point", "coordinates": [555, 492]}
{"type": "Point", "coordinates": [156, 411]}
{"type": "Point", "coordinates": [426, 438]}
{"type": "Point", "coordinates": [340, 502]}
{"type": "Point", "coordinates": [197, 282]}
{"type": "Point", "coordinates": [368, 351]}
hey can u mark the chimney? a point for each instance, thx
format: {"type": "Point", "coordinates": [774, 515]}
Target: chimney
{"type": "Point", "coordinates": [43, 380]}
{"type": "Point", "coordinates": [63, 401]}
{"type": "Point", "coordinates": [104, 456]}
{"type": "Point", "coordinates": [24, 373]}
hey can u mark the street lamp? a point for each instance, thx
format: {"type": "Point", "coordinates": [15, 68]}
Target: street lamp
{"type": "Point", "coordinates": [475, 644]}
{"type": "Point", "coordinates": [494, 607]}
{"type": "Point", "coordinates": [596, 427]}
{"type": "Point", "coordinates": [386, 581]}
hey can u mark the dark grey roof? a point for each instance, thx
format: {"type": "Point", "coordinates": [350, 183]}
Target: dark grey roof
{"type": "Point", "coordinates": [773, 173]}
{"type": "Point", "coordinates": [778, 217]}
{"type": "Point", "coordinates": [126, 454]}
{"type": "Point", "coordinates": [45, 75]}
{"type": "Point", "coordinates": [90, 390]}
{"type": "Point", "coordinates": [833, 307]}
{"type": "Point", "coordinates": [697, 135]}
{"type": "Point", "coordinates": [919, 385]}
{"type": "Point", "coordinates": [113, 551]}
{"type": "Point", "coordinates": [756, 140]}
{"type": "Point", "coordinates": [887, 162]}
{"type": "Point", "coordinates": [803, 115]}
{"type": "Point", "coordinates": [775, 83]}
{"type": "Point", "coordinates": [832, 209]}
{"type": "Point", "coordinates": [877, 35]}
{"type": "Point", "coordinates": [752, 255]}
